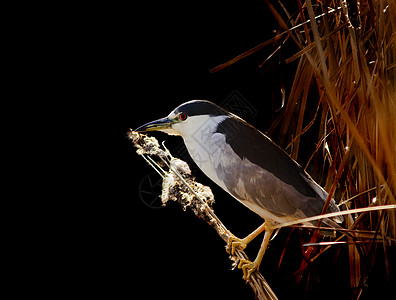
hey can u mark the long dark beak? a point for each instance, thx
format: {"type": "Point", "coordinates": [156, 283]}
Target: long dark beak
{"type": "Point", "coordinates": [156, 125]}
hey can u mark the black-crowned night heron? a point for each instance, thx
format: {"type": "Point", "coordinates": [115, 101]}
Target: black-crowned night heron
{"type": "Point", "coordinates": [249, 166]}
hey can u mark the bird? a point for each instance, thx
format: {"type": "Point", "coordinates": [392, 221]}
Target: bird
{"type": "Point", "coordinates": [249, 166]}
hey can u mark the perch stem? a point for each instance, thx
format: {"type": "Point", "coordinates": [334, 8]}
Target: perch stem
{"type": "Point", "coordinates": [257, 282]}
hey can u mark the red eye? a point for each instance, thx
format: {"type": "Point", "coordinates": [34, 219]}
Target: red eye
{"type": "Point", "coordinates": [182, 117]}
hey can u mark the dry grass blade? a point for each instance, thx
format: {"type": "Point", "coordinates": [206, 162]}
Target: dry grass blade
{"type": "Point", "coordinates": [335, 214]}
{"type": "Point", "coordinates": [348, 60]}
{"type": "Point", "coordinates": [357, 90]}
{"type": "Point", "coordinates": [265, 44]}
{"type": "Point", "coordinates": [244, 54]}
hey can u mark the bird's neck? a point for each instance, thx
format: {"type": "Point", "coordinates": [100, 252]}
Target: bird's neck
{"type": "Point", "coordinates": [199, 146]}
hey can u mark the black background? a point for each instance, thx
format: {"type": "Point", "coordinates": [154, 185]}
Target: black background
{"type": "Point", "coordinates": [107, 68]}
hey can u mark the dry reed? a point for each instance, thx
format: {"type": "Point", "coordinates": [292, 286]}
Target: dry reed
{"type": "Point", "coordinates": [346, 55]}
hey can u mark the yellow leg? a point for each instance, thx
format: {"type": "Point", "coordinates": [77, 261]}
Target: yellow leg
{"type": "Point", "coordinates": [235, 242]}
{"type": "Point", "coordinates": [249, 267]}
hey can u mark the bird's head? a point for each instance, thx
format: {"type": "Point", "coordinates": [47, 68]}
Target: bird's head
{"type": "Point", "coordinates": [187, 118]}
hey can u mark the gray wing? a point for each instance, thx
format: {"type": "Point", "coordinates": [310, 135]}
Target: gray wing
{"type": "Point", "coordinates": [257, 171]}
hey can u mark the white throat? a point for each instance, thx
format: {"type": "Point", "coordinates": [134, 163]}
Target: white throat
{"type": "Point", "coordinates": [198, 138]}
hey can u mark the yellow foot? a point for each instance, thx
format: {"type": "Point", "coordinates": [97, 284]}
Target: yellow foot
{"type": "Point", "coordinates": [233, 243]}
{"type": "Point", "coordinates": [248, 267]}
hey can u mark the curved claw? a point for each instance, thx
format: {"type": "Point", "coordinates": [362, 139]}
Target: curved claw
{"type": "Point", "coordinates": [233, 243]}
{"type": "Point", "coordinates": [248, 268]}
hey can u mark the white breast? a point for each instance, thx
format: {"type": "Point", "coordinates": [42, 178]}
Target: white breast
{"type": "Point", "coordinates": [198, 142]}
